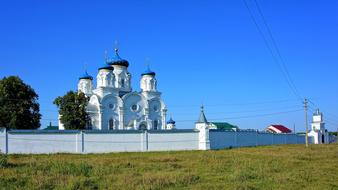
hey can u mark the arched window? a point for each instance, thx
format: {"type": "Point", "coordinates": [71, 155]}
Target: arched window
{"type": "Point", "coordinates": [155, 125]}
{"type": "Point", "coordinates": [122, 83]}
{"type": "Point", "coordinates": [155, 84]}
{"type": "Point", "coordinates": [113, 80]}
{"type": "Point", "coordinates": [89, 123]}
{"type": "Point", "coordinates": [102, 80]}
{"type": "Point", "coordinates": [151, 84]}
{"type": "Point", "coordinates": [108, 80]}
{"type": "Point", "coordinates": [111, 124]}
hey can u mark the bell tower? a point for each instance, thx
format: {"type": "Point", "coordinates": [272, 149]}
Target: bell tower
{"type": "Point", "coordinates": [148, 81]}
{"type": "Point", "coordinates": [318, 131]}
{"type": "Point", "coordinates": [317, 121]}
{"type": "Point", "coordinates": [85, 84]}
{"type": "Point", "coordinates": [121, 74]}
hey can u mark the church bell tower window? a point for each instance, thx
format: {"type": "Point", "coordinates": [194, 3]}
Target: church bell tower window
{"type": "Point", "coordinates": [111, 124]}
{"type": "Point", "coordinates": [122, 83]}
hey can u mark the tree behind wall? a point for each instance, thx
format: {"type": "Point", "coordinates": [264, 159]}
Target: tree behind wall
{"type": "Point", "coordinates": [72, 109]}
{"type": "Point", "coordinates": [19, 108]}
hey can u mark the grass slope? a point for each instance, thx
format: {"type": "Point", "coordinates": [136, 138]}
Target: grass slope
{"type": "Point", "coordinates": [271, 167]}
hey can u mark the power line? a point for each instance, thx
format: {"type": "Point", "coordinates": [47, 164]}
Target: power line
{"type": "Point", "coordinates": [261, 115]}
{"type": "Point", "coordinates": [276, 60]}
{"type": "Point", "coordinates": [225, 118]}
{"type": "Point", "coordinates": [242, 111]}
{"type": "Point", "coordinates": [326, 113]}
{"type": "Point", "coordinates": [326, 119]}
{"type": "Point", "coordinates": [248, 116]}
{"type": "Point", "coordinates": [276, 47]}
{"type": "Point", "coordinates": [236, 104]}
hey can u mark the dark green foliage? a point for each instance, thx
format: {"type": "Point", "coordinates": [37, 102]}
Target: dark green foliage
{"type": "Point", "coordinates": [333, 133]}
{"type": "Point", "coordinates": [19, 108]}
{"type": "Point", "coordinates": [72, 108]}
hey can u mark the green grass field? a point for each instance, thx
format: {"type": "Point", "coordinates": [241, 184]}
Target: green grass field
{"type": "Point", "coordinates": [272, 167]}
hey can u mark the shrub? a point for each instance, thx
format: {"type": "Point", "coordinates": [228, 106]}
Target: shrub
{"type": "Point", "coordinates": [3, 160]}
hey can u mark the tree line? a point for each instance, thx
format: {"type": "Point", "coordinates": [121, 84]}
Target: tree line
{"type": "Point", "coordinates": [19, 107]}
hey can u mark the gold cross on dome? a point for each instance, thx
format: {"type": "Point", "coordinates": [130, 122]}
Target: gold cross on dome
{"type": "Point", "coordinates": [85, 66]}
{"type": "Point", "coordinates": [116, 46]}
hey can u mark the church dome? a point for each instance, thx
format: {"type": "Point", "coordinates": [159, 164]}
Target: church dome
{"type": "Point", "coordinates": [86, 76]}
{"type": "Point", "coordinates": [117, 60]}
{"type": "Point", "coordinates": [148, 72]}
{"type": "Point", "coordinates": [171, 121]}
{"type": "Point", "coordinates": [106, 66]}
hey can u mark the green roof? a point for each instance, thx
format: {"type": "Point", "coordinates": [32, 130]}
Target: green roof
{"type": "Point", "coordinates": [51, 128]}
{"type": "Point", "coordinates": [224, 125]}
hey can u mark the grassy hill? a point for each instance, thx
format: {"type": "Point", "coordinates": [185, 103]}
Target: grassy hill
{"type": "Point", "coordinates": [271, 167]}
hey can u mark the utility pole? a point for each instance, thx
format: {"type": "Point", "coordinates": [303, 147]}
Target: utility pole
{"type": "Point", "coordinates": [306, 124]}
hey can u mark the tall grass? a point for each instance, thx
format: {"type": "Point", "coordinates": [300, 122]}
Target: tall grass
{"type": "Point", "coordinates": [3, 160]}
{"type": "Point", "coordinates": [271, 167]}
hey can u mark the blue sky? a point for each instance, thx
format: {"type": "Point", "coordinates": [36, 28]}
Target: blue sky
{"type": "Point", "coordinates": [206, 52]}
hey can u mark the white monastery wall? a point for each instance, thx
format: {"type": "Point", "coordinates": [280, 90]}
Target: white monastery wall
{"type": "Point", "coordinates": [265, 139]}
{"type": "Point", "coordinates": [173, 140]}
{"type": "Point", "coordinates": [3, 140]}
{"type": "Point", "coordinates": [102, 142]}
{"type": "Point", "coordinates": [37, 142]}
{"type": "Point", "coordinates": [222, 139]}
{"type": "Point", "coordinates": [246, 138]}
{"type": "Point", "coordinates": [33, 142]}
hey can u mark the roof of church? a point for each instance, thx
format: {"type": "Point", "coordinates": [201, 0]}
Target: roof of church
{"type": "Point", "coordinates": [117, 60]}
{"type": "Point", "coordinates": [202, 118]}
{"type": "Point", "coordinates": [106, 66]}
{"type": "Point", "coordinates": [224, 125]}
{"type": "Point", "coordinates": [86, 76]}
{"type": "Point", "coordinates": [148, 72]}
{"type": "Point", "coordinates": [171, 121]}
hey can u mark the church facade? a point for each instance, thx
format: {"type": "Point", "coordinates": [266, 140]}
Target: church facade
{"type": "Point", "coordinates": [113, 105]}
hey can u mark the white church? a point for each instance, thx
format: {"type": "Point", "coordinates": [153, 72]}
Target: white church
{"type": "Point", "coordinates": [318, 132]}
{"type": "Point", "coordinates": [113, 105]}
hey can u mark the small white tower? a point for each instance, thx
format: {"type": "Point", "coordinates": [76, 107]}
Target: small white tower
{"type": "Point", "coordinates": [148, 81]}
{"type": "Point", "coordinates": [202, 121]}
{"type": "Point", "coordinates": [85, 84]}
{"type": "Point", "coordinates": [171, 124]}
{"type": "Point", "coordinates": [122, 76]}
{"type": "Point", "coordinates": [203, 126]}
{"type": "Point", "coordinates": [318, 131]}
{"type": "Point", "coordinates": [105, 77]}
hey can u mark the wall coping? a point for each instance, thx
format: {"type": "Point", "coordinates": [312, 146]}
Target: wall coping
{"type": "Point", "coordinates": [18, 132]}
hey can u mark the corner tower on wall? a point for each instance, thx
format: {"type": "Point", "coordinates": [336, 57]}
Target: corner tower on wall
{"type": "Point", "coordinates": [202, 122]}
{"type": "Point", "coordinates": [114, 106]}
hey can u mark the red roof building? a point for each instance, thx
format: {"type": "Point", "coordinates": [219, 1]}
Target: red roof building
{"type": "Point", "coordinates": [277, 129]}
